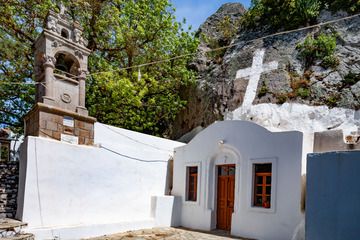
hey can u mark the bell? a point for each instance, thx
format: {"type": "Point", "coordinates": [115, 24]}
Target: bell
{"type": "Point", "coordinates": [61, 64]}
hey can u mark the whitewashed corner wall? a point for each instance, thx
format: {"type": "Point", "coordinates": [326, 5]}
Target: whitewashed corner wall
{"type": "Point", "coordinates": [71, 192]}
{"type": "Point", "coordinates": [244, 143]}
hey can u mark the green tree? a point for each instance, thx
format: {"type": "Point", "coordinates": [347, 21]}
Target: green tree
{"type": "Point", "coordinates": [19, 27]}
{"type": "Point", "coordinates": [282, 14]}
{"type": "Point", "coordinates": [121, 34]}
{"type": "Point", "coordinates": [290, 14]}
{"type": "Point", "coordinates": [307, 10]}
{"type": "Point", "coordinates": [351, 6]}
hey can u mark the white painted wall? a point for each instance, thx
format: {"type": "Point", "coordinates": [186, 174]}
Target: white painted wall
{"type": "Point", "coordinates": [245, 143]}
{"type": "Point", "coordinates": [73, 191]}
{"type": "Point", "coordinates": [333, 196]}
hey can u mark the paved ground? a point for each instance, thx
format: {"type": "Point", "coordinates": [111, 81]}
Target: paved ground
{"type": "Point", "coordinates": [167, 234]}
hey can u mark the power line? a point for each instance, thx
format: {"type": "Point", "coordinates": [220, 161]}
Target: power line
{"type": "Point", "coordinates": [210, 50]}
{"type": "Point", "coordinates": [134, 158]}
{"type": "Point", "coordinates": [19, 83]}
{"type": "Point", "coordinates": [229, 46]}
{"type": "Point", "coordinates": [135, 140]}
{"type": "Point", "coordinates": [121, 154]}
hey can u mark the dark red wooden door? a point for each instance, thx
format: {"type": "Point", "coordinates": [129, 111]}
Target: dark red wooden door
{"type": "Point", "coordinates": [225, 196]}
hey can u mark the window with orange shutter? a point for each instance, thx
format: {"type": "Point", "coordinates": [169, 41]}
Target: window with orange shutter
{"type": "Point", "coordinates": [262, 185]}
{"type": "Point", "coordinates": [192, 177]}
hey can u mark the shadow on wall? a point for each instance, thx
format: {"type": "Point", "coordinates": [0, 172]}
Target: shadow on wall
{"type": "Point", "coordinates": [169, 176]}
{"type": "Point", "coordinates": [299, 233]}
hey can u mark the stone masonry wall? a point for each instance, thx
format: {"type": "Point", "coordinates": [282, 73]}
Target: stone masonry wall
{"type": "Point", "coordinates": [9, 178]}
{"type": "Point", "coordinates": [50, 124]}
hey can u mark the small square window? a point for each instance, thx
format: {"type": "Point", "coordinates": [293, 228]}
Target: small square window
{"type": "Point", "coordinates": [192, 183]}
{"type": "Point", "coordinates": [262, 185]}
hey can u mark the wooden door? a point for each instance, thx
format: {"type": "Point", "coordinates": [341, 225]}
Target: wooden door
{"type": "Point", "coordinates": [225, 196]}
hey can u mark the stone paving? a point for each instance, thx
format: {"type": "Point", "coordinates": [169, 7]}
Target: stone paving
{"type": "Point", "coordinates": [168, 234]}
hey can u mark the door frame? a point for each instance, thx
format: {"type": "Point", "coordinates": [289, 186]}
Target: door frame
{"type": "Point", "coordinates": [216, 191]}
{"type": "Point", "coordinates": [224, 156]}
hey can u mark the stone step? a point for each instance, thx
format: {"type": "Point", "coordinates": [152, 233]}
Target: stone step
{"type": "Point", "coordinates": [8, 224]}
{"type": "Point", "coordinates": [10, 229]}
{"type": "Point", "coordinates": [25, 236]}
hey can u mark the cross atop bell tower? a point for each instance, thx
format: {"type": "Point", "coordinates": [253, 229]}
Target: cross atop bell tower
{"type": "Point", "coordinates": [61, 59]}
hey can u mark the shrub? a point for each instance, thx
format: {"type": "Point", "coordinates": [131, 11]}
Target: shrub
{"type": "Point", "coordinates": [290, 14]}
{"type": "Point", "coordinates": [332, 100]}
{"type": "Point", "coordinates": [351, 79]}
{"type": "Point", "coordinates": [300, 85]}
{"type": "Point", "coordinates": [263, 90]}
{"type": "Point", "coordinates": [307, 11]}
{"type": "Point", "coordinates": [320, 48]}
{"type": "Point", "coordinates": [303, 92]}
{"type": "Point", "coordinates": [286, 14]}
{"type": "Point", "coordinates": [330, 62]}
{"type": "Point", "coordinates": [216, 55]}
{"type": "Point", "coordinates": [281, 98]}
{"type": "Point", "coordinates": [351, 6]}
{"type": "Point", "coordinates": [228, 29]}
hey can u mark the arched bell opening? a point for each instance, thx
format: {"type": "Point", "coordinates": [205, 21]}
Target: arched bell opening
{"type": "Point", "coordinates": [67, 65]}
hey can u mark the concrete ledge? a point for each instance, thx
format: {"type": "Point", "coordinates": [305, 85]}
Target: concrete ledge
{"type": "Point", "coordinates": [51, 109]}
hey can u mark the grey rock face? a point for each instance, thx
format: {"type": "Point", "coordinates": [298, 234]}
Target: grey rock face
{"type": "Point", "coordinates": [321, 81]}
{"type": "Point", "coordinates": [211, 26]}
{"type": "Point", "coordinates": [203, 106]}
{"type": "Point", "coordinates": [292, 81]}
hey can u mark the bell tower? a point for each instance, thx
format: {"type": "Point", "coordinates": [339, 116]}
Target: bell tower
{"type": "Point", "coordinates": [61, 59]}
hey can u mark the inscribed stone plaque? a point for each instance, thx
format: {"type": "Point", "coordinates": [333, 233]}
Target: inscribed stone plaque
{"type": "Point", "coordinates": [68, 121]}
{"type": "Point", "coordinates": [69, 139]}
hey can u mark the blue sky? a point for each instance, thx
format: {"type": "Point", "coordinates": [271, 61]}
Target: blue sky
{"type": "Point", "coordinates": [197, 11]}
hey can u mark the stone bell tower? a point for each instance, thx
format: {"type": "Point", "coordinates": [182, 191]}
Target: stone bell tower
{"type": "Point", "coordinates": [61, 60]}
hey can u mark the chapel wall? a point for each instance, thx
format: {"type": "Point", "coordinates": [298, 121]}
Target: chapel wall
{"type": "Point", "coordinates": [243, 144]}
{"type": "Point", "coordinates": [9, 179]}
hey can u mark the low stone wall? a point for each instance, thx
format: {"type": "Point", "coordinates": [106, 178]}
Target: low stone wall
{"type": "Point", "coordinates": [9, 178]}
{"type": "Point", "coordinates": [331, 141]}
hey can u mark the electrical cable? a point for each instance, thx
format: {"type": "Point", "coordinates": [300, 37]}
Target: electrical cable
{"type": "Point", "coordinates": [121, 154]}
{"type": "Point", "coordinates": [207, 51]}
{"type": "Point", "coordinates": [135, 140]}
{"type": "Point", "coordinates": [229, 46]}
{"type": "Point", "coordinates": [134, 158]}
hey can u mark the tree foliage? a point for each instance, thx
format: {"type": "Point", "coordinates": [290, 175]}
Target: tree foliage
{"type": "Point", "coordinates": [290, 14]}
{"type": "Point", "coordinates": [122, 34]}
{"type": "Point", "coordinates": [19, 27]}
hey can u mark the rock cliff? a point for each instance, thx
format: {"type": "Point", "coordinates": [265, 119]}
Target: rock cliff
{"type": "Point", "coordinates": [301, 93]}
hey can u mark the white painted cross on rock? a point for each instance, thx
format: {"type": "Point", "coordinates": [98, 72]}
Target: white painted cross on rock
{"type": "Point", "coordinates": [254, 73]}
